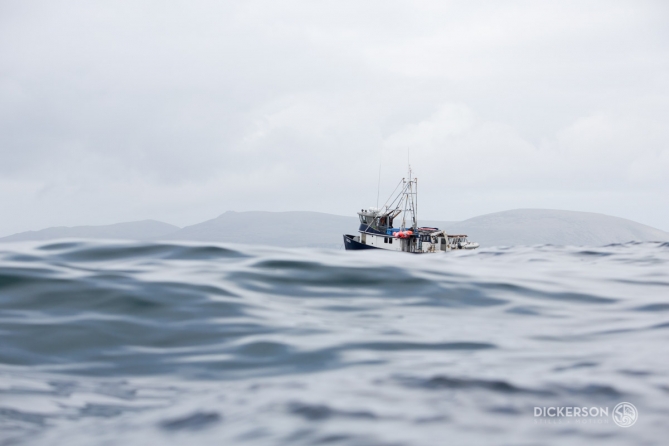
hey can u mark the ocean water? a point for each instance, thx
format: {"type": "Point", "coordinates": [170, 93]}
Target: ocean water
{"type": "Point", "coordinates": [120, 343]}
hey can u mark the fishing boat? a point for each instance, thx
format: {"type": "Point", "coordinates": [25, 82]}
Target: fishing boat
{"type": "Point", "coordinates": [377, 230]}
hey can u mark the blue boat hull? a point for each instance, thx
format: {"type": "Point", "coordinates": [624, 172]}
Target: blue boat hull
{"type": "Point", "coordinates": [350, 244]}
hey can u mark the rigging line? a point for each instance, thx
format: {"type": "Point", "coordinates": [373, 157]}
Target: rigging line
{"type": "Point", "coordinates": [393, 193]}
{"type": "Point", "coordinates": [398, 198]}
{"type": "Point", "coordinates": [404, 213]}
{"type": "Point", "coordinates": [367, 225]}
{"type": "Point", "coordinates": [406, 198]}
{"type": "Point", "coordinates": [378, 187]}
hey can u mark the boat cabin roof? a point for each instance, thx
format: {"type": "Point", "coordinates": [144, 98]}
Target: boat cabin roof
{"type": "Point", "coordinates": [369, 212]}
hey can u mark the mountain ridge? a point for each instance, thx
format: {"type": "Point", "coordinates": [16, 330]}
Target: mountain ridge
{"type": "Point", "coordinates": [136, 230]}
{"type": "Point", "coordinates": [554, 226]}
{"type": "Point", "coordinates": [322, 230]}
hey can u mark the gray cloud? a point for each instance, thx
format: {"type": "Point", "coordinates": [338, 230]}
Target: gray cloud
{"type": "Point", "coordinates": [114, 111]}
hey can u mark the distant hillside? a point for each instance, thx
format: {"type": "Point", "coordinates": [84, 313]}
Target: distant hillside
{"type": "Point", "coordinates": [516, 227]}
{"type": "Point", "coordinates": [289, 229]}
{"type": "Point", "coordinates": [546, 226]}
{"type": "Point", "coordinates": [315, 229]}
{"type": "Point", "coordinates": [135, 230]}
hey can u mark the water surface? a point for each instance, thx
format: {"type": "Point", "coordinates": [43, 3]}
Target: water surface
{"type": "Point", "coordinates": [121, 343]}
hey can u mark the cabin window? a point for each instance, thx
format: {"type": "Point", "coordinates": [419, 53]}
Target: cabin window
{"type": "Point", "coordinates": [391, 241]}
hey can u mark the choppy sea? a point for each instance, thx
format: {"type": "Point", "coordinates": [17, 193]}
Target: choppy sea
{"type": "Point", "coordinates": [120, 343]}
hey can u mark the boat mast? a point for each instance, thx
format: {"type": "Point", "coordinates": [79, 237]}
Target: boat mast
{"type": "Point", "coordinates": [406, 201]}
{"type": "Point", "coordinates": [413, 197]}
{"type": "Point", "coordinates": [404, 209]}
{"type": "Point", "coordinates": [415, 215]}
{"type": "Point", "coordinates": [410, 198]}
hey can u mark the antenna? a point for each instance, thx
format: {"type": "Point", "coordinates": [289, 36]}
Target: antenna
{"type": "Point", "coordinates": [378, 187]}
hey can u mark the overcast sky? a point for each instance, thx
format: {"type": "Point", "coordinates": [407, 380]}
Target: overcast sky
{"type": "Point", "coordinates": [179, 111]}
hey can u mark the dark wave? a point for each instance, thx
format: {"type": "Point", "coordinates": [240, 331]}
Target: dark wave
{"type": "Point", "coordinates": [178, 343]}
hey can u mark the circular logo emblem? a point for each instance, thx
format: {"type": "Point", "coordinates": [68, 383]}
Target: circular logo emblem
{"type": "Point", "coordinates": [625, 414]}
